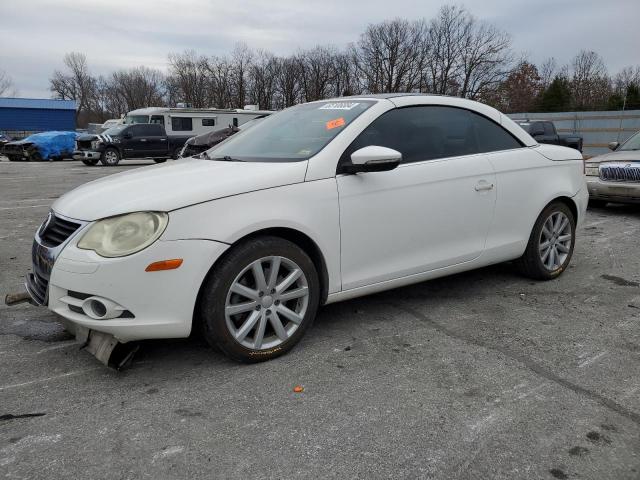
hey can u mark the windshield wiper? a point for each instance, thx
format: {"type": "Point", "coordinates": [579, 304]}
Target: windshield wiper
{"type": "Point", "coordinates": [226, 158]}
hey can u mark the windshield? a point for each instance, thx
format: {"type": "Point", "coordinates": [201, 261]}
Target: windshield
{"type": "Point", "coordinates": [114, 130]}
{"type": "Point", "coordinates": [292, 135]}
{"type": "Point", "coordinates": [632, 144]}
{"type": "Point", "coordinates": [129, 119]}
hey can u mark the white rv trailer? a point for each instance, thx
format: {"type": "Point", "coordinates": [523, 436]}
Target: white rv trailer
{"type": "Point", "coordinates": [193, 121]}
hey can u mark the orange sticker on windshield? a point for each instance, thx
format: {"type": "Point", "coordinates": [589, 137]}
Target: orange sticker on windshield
{"type": "Point", "coordinates": [338, 122]}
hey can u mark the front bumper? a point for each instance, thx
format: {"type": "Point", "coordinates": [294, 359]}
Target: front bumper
{"type": "Point", "coordinates": [618, 192]}
{"type": "Point", "coordinates": [153, 304]}
{"type": "Point", "coordinates": [86, 155]}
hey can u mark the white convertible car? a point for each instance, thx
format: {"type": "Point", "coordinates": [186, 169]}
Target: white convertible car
{"type": "Point", "coordinates": [321, 202]}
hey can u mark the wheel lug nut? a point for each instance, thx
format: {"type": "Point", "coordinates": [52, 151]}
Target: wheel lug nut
{"type": "Point", "coordinates": [268, 312]}
{"type": "Point", "coordinates": [258, 307]}
{"type": "Point", "coordinates": [277, 302]}
{"type": "Point", "coordinates": [273, 290]}
{"type": "Point", "coordinates": [261, 294]}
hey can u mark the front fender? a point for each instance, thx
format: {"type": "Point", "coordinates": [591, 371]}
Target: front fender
{"type": "Point", "coordinates": [310, 208]}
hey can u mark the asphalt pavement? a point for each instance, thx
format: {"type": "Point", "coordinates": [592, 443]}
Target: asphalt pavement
{"type": "Point", "coordinates": [481, 375]}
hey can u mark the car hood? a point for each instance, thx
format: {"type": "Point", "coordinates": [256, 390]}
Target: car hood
{"type": "Point", "coordinates": [621, 156]}
{"type": "Point", "coordinates": [174, 185]}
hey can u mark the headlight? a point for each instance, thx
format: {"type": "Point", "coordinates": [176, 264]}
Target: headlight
{"type": "Point", "coordinates": [125, 234]}
{"type": "Point", "coordinates": [592, 170]}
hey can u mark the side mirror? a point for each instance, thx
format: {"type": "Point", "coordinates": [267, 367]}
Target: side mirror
{"type": "Point", "coordinates": [373, 159]}
{"type": "Point", "coordinates": [614, 145]}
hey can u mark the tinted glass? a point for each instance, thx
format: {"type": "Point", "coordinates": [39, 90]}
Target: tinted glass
{"type": "Point", "coordinates": [151, 130]}
{"type": "Point", "coordinates": [632, 144]}
{"type": "Point", "coordinates": [430, 132]}
{"type": "Point", "coordinates": [208, 122]}
{"type": "Point", "coordinates": [159, 119]}
{"type": "Point", "coordinates": [136, 119]}
{"type": "Point", "coordinates": [181, 124]}
{"type": "Point", "coordinates": [291, 135]}
{"type": "Point", "coordinates": [114, 130]}
{"type": "Point", "coordinates": [548, 128]}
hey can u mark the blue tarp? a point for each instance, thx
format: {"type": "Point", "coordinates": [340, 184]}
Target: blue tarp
{"type": "Point", "coordinates": [53, 144]}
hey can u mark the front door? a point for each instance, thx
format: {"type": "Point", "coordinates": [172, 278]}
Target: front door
{"type": "Point", "coordinates": [431, 212]}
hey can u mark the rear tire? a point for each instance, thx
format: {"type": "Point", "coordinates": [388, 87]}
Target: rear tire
{"type": "Point", "coordinates": [159, 160]}
{"type": "Point", "coordinates": [251, 320]}
{"type": "Point", "coordinates": [551, 243]}
{"type": "Point", "coordinates": [110, 157]}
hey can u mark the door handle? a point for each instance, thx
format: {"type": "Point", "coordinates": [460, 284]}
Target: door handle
{"type": "Point", "coordinates": [484, 186]}
{"type": "Point", "coordinates": [143, 139]}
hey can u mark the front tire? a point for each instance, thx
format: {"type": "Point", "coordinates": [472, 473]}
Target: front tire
{"type": "Point", "coordinates": [551, 243]}
{"type": "Point", "coordinates": [90, 162]}
{"type": "Point", "coordinates": [110, 157]}
{"type": "Point", "coordinates": [258, 302]}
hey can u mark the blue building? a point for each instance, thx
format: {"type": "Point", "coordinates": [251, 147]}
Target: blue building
{"type": "Point", "coordinates": [22, 116]}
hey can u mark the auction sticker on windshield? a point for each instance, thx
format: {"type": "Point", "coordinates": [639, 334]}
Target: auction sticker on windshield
{"type": "Point", "coordinates": [339, 106]}
{"type": "Point", "coordinates": [338, 122]}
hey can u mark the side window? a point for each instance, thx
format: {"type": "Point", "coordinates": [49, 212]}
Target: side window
{"type": "Point", "coordinates": [492, 137]}
{"type": "Point", "coordinates": [430, 132]}
{"type": "Point", "coordinates": [548, 128]}
{"type": "Point", "coordinates": [152, 130]}
{"type": "Point", "coordinates": [157, 119]}
{"type": "Point", "coordinates": [181, 124]}
{"type": "Point", "coordinates": [208, 122]}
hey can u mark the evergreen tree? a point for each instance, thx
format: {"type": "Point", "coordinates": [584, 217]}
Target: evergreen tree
{"type": "Point", "coordinates": [557, 97]}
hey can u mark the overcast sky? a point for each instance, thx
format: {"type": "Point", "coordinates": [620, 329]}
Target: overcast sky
{"type": "Point", "coordinates": [35, 34]}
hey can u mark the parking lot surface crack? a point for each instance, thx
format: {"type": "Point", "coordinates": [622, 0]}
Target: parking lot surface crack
{"type": "Point", "coordinates": [527, 362]}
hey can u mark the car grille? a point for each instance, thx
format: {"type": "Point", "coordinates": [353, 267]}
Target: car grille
{"type": "Point", "coordinates": [57, 231]}
{"type": "Point", "coordinates": [620, 173]}
{"type": "Point", "coordinates": [84, 143]}
{"type": "Point", "coordinates": [37, 287]}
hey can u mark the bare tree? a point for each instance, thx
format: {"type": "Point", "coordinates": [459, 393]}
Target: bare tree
{"type": "Point", "coordinates": [317, 72]}
{"type": "Point", "coordinates": [76, 83]}
{"type": "Point", "coordinates": [391, 55]}
{"type": "Point", "coordinates": [219, 82]}
{"type": "Point", "coordinates": [131, 89]}
{"type": "Point", "coordinates": [590, 83]}
{"type": "Point", "coordinates": [187, 79]}
{"type": "Point", "coordinates": [484, 59]}
{"type": "Point", "coordinates": [287, 82]}
{"type": "Point", "coordinates": [547, 71]}
{"type": "Point", "coordinates": [445, 37]}
{"type": "Point", "coordinates": [241, 59]}
{"type": "Point", "coordinates": [626, 77]}
{"type": "Point", "coordinates": [7, 88]}
{"type": "Point", "coordinates": [261, 79]}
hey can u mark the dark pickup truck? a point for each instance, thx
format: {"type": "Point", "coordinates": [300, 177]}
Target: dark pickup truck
{"type": "Point", "coordinates": [544, 131]}
{"type": "Point", "coordinates": [140, 140]}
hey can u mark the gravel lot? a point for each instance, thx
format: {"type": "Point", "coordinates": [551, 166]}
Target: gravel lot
{"type": "Point", "coordinates": [480, 375]}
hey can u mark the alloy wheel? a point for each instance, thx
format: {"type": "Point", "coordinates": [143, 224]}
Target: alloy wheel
{"type": "Point", "coordinates": [555, 241]}
{"type": "Point", "coordinates": [111, 157]}
{"type": "Point", "coordinates": [266, 303]}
